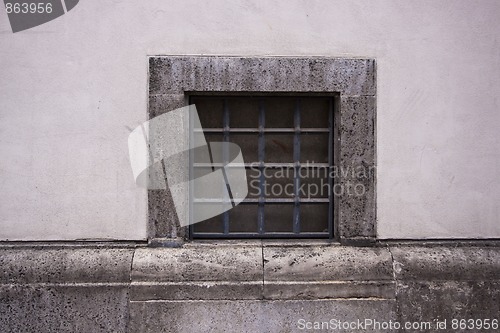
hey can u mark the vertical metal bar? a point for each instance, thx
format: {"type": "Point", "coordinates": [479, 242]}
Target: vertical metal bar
{"type": "Point", "coordinates": [191, 174]}
{"type": "Point", "coordinates": [225, 124]}
{"type": "Point", "coordinates": [261, 155]}
{"type": "Point", "coordinates": [296, 175]}
{"type": "Point", "coordinates": [330, 165]}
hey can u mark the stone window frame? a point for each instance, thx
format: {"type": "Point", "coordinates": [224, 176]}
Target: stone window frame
{"type": "Point", "coordinates": [353, 80]}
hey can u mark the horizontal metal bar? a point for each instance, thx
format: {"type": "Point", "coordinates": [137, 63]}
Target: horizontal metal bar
{"type": "Point", "coordinates": [265, 200]}
{"type": "Point", "coordinates": [265, 130]}
{"type": "Point", "coordinates": [268, 165]}
{"type": "Point", "coordinates": [261, 94]}
{"type": "Point", "coordinates": [240, 235]}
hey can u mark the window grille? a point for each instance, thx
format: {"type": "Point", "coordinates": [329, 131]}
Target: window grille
{"type": "Point", "coordinates": [287, 144]}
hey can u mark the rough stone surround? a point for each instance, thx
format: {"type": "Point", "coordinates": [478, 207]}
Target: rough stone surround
{"type": "Point", "coordinates": [352, 80]}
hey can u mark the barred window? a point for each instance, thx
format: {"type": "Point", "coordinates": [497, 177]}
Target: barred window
{"type": "Point", "coordinates": [288, 147]}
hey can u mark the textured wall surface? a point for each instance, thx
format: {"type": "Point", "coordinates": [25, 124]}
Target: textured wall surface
{"type": "Point", "coordinates": [71, 89]}
{"type": "Point", "coordinates": [170, 77]}
{"type": "Point", "coordinates": [251, 287]}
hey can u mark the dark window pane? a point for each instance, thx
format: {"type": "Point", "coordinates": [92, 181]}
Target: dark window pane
{"type": "Point", "coordinates": [314, 183]}
{"type": "Point", "coordinates": [279, 112]}
{"type": "Point", "coordinates": [213, 224]}
{"type": "Point", "coordinates": [314, 113]}
{"type": "Point", "coordinates": [203, 188]}
{"type": "Point", "coordinates": [314, 148]}
{"type": "Point", "coordinates": [249, 146]}
{"type": "Point", "coordinates": [210, 111]}
{"type": "Point", "coordinates": [279, 182]}
{"type": "Point", "coordinates": [278, 217]}
{"type": "Point", "coordinates": [243, 218]}
{"type": "Point", "coordinates": [253, 182]}
{"type": "Point", "coordinates": [244, 112]}
{"type": "Point", "coordinates": [314, 217]}
{"type": "Point", "coordinates": [279, 148]}
{"type": "Point", "coordinates": [214, 137]}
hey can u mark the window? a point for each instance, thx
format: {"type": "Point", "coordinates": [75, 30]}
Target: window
{"type": "Point", "coordinates": [288, 146]}
{"type": "Point", "coordinates": [348, 84]}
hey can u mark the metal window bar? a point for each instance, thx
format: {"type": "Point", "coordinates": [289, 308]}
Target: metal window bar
{"type": "Point", "coordinates": [225, 154]}
{"type": "Point", "coordinates": [269, 200]}
{"type": "Point", "coordinates": [191, 163]}
{"type": "Point", "coordinates": [265, 130]}
{"type": "Point", "coordinates": [261, 201]}
{"type": "Point", "coordinates": [262, 143]}
{"type": "Point", "coordinates": [296, 161]}
{"type": "Point", "coordinates": [269, 165]}
{"type": "Point", "coordinates": [330, 163]}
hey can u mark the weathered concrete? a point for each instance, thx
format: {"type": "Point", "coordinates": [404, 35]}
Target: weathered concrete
{"type": "Point", "coordinates": [448, 300]}
{"type": "Point", "coordinates": [252, 316]}
{"type": "Point", "coordinates": [65, 265]}
{"type": "Point", "coordinates": [161, 103]}
{"type": "Point", "coordinates": [446, 283]}
{"type": "Point", "coordinates": [357, 163]}
{"type": "Point", "coordinates": [64, 308]}
{"type": "Point", "coordinates": [64, 289]}
{"type": "Point", "coordinates": [203, 263]}
{"type": "Point", "coordinates": [174, 74]}
{"type": "Point", "coordinates": [327, 263]}
{"type": "Point", "coordinates": [310, 272]}
{"type": "Point", "coordinates": [203, 272]}
{"type": "Point", "coordinates": [444, 263]}
{"type": "Point", "coordinates": [354, 80]}
{"type": "Point", "coordinates": [284, 290]}
{"type": "Point", "coordinates": [243, 287]}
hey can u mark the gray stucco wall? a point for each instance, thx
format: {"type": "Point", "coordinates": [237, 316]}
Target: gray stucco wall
{"type": "Point", "coordinates": [72, 87]}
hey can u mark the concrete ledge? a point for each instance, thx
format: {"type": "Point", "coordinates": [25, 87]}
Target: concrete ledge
{"type": "Point", "coordinates": [65, 265]}
{"type": "Point", "coordinates": [206, 290]}
{"type": "Point", "coordinates": [285, 290]}
{"type": "Point", "coordinates": [40, 308]}
{"type": "Point", "coordinates": [252, 316]}
{"type": "Point", "coordinates": [248, 287]}
{"type": "Point", "coordinates": [64, 289]}
{"type": "Point", "coordinates": [205, 272]}
{"type": "Point", "coordinates": [327, 263]}
{"type": "Point", "coordinates": [317, 272]}
{"type": "Point", "coordinates": [449, 300]}
{"type": "Point", "coordinates": [464, 263]}
{"type": "Point", "coordinates": [237, 263]}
